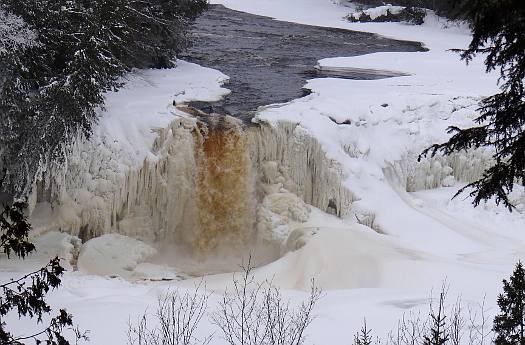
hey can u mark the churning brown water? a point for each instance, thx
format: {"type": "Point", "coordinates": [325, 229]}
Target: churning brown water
{"type": "Point", "coordinates": [224, 186]}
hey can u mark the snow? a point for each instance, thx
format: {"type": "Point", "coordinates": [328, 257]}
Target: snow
{"type": "Point", "coordinates": [362, 139]}
{"type": "Point", "coordinates": [113, 254]}
{"type": "Point", "coordinates": [15, 34]}
{"type": "Point", "coordinates": [378, 11]}
{"type": "Point", "coordinates": [146, 102]}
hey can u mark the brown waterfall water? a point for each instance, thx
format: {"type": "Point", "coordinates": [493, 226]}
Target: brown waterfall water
{"type": "Point", "coordinates": [224, 186]}
{"type": "Point", "coordinates": [209, 200]}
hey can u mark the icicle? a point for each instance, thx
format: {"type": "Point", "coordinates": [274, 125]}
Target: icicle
{"type": "Point", "coordinates": [302, 161]}
{"type": "Point", "coordinates": [440, 171]}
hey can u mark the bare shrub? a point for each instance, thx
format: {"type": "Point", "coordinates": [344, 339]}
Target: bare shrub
{"type": "Point", "coordinates": [410, 330]}
{"type": "Point", "coordinates": [445, 324]}
{"type": "Point", "coordinates": [177, 315]}
{"type": "Point", "coordinates": [456, 328]}
{"type": "Point", "coordinates": [255, 313]}
{"type": "Point", "coordinates": [479, 327]}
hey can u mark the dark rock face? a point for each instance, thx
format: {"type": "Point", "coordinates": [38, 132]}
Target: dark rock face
{"type": "Point", "coordinates": [269, 61]}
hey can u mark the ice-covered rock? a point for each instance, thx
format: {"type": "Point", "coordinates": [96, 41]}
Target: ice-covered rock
{"type": "Point", "coordinates": [278, 214]}
{"type": "Point", "coordinates": [58, 244]}
{"type": "Point", "coordinates": [376, 12]}
{"type": "Point", "coordinates": [113, 255]}
{"type": "Point", "coordinates": [299, 238]}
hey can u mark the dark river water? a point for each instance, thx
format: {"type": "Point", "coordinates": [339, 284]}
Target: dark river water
{"type": "Point", "coordinates": [269, 61]}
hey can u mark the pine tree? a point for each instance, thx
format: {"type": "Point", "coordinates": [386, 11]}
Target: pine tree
{"type": "Point", "coordinates": [363, 337]}
{"type": "Point", "coordinates": [438, 328]}
{"type": "Point", "coordinates": [51, 89]}
{"type": "Point", "coordinates": [509, 325]}
{"type": "Point", "coordinates": [497, 28]}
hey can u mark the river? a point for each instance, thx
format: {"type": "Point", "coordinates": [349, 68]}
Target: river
{"type": "Point", "coordinates": [268, 61]}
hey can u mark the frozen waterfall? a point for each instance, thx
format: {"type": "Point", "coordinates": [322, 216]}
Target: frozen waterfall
{"type": "Point", "coordinates": [210, 184]}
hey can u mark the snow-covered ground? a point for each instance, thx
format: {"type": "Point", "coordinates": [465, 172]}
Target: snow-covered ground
{"type": "Point", "coordinates": [374, 130]}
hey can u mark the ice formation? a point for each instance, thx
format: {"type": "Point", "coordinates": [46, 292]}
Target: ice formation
{"type": "Point", "coordinates": [302, 164]}
{"type": "Point", "coordinates": [125, 255]}
{"type": "Point", "coordinates": [439, 171]}
{"type": "Point", "coordinates": [198, 183]}
{"type": "Point", "coordinates": [207, 182]}
{"type": "Point", "coordinates": [62, 245]}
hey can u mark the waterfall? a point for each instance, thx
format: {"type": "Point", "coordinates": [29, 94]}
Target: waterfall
{"type": "Point", "coordinates": [198, 188]}
{"type": "Point", "coordinates": [225, 194]}
{"type": "Point", "coordinates": [210, 186]}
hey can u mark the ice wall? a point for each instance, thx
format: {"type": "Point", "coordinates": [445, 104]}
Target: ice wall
{"type": "Point", "coordinates": [300, 165]}
{"type": "Point", "coordinates": [209, 181]}
{"type": "Point", "coordinates": [439, 171]}
{"type": "Point", "coordinates": [99, 189]}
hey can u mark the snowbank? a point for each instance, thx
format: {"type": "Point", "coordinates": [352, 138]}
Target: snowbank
{"type": "Point", "coordinates": [146, 102]}
{"type": "Point", "coordinates": [378, 11]}
{"type": "Point", "coordinates": [113, 255]}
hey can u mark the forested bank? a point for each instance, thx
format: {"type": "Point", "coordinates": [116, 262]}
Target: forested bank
{"type": "Point", "coordinates": [58, 57]}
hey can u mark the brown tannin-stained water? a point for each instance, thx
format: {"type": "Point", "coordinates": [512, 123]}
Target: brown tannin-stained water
{"type": "Point", "coordinates": [224, 186]}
